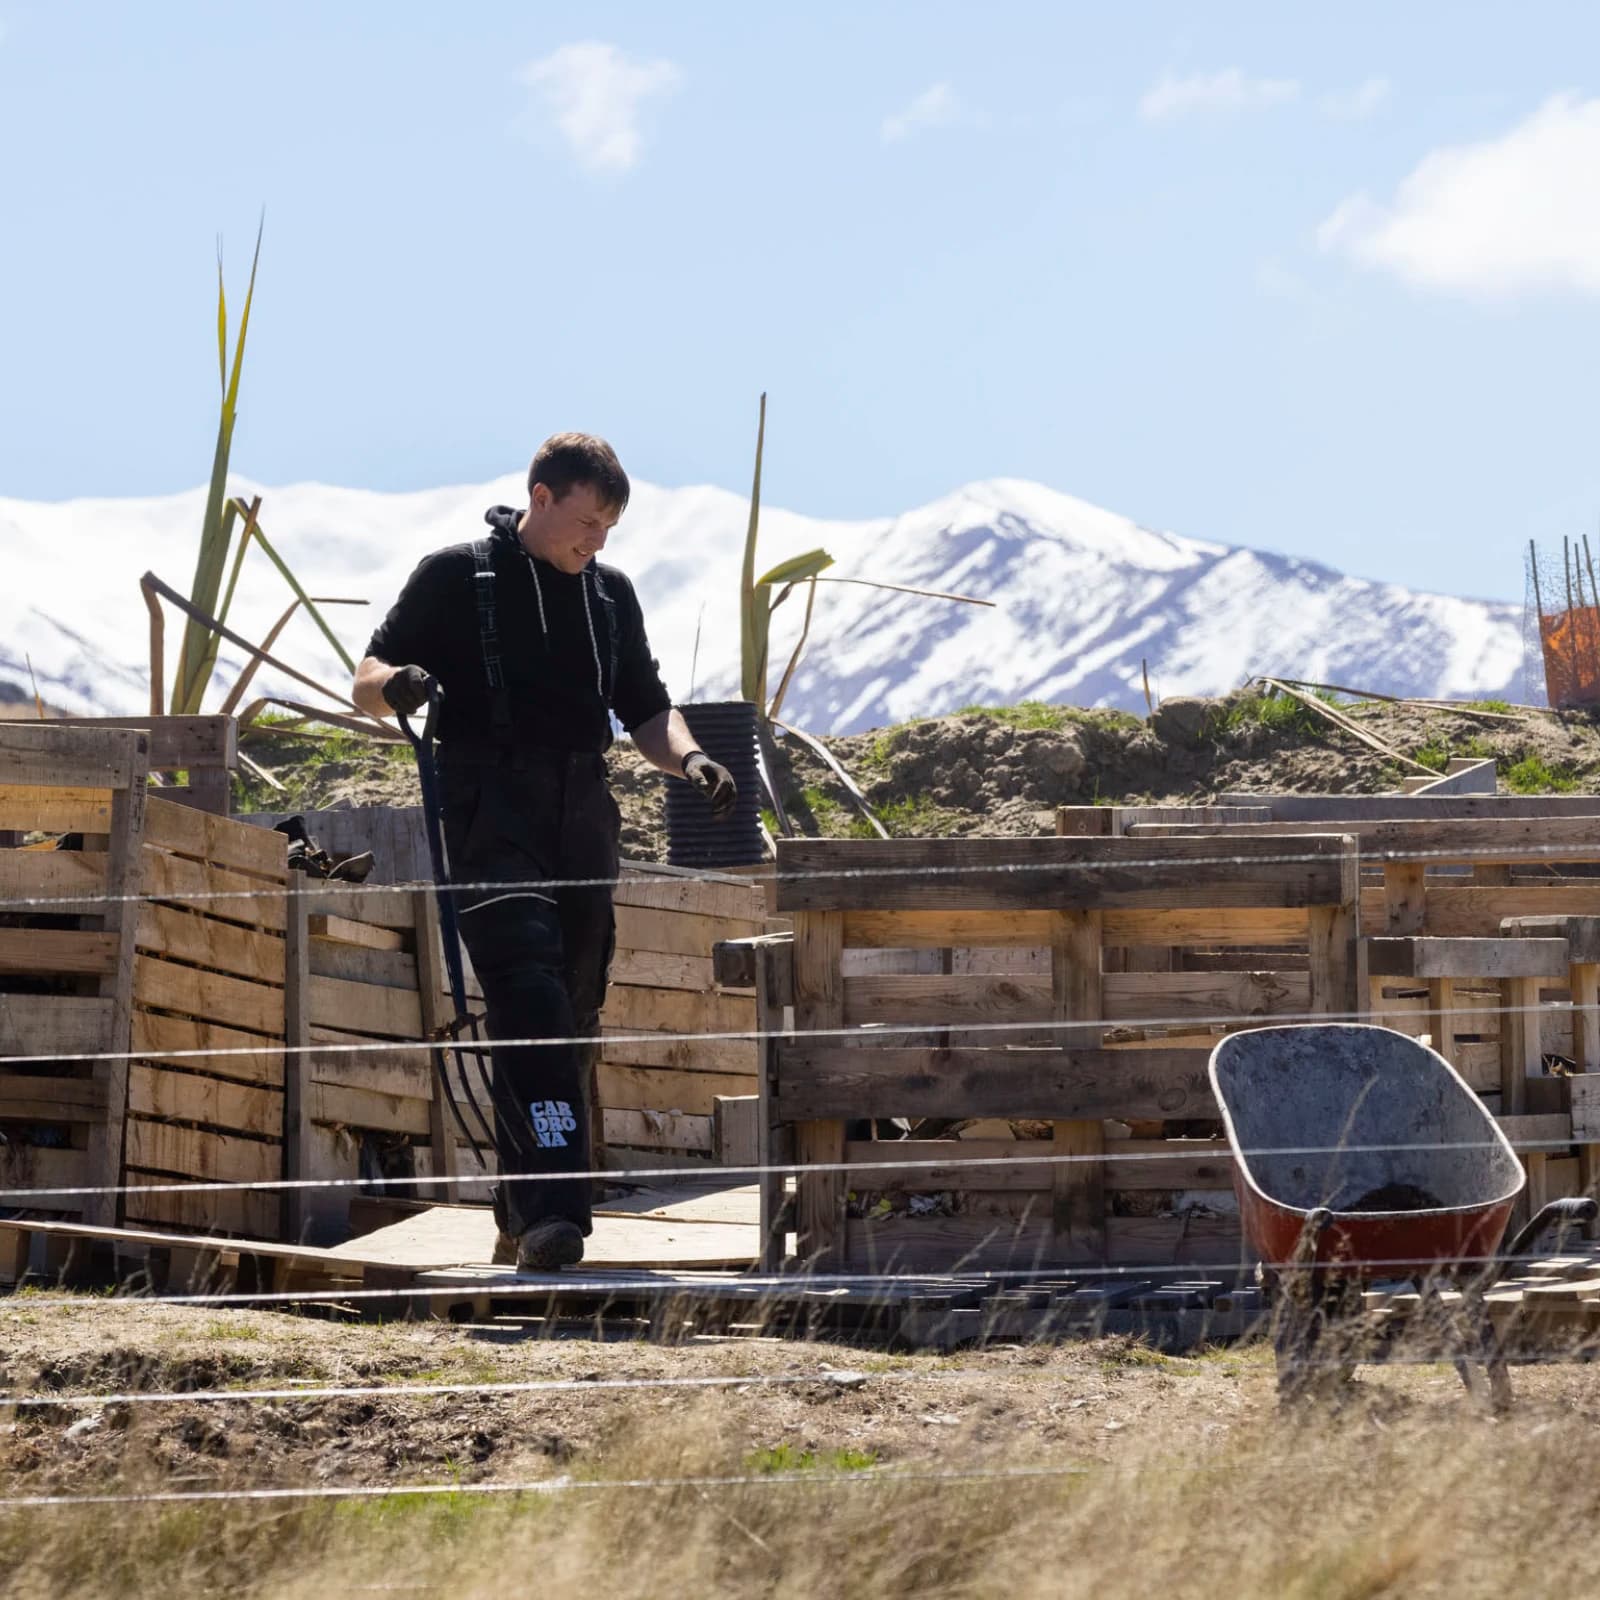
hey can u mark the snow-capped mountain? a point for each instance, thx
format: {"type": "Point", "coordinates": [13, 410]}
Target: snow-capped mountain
{"type": "Point", "coordinates": [1080, 595]}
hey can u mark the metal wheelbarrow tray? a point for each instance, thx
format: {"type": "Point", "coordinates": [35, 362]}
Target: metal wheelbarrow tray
{"type": "Point", "coordinates": [1360, 1153]}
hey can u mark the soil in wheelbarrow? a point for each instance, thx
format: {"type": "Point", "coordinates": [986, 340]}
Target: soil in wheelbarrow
{"type": "Point", "coordinates": [1397, 1197]}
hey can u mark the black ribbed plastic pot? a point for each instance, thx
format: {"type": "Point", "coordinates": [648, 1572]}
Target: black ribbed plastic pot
{"type": "Point", "coordinates": [726, 731]}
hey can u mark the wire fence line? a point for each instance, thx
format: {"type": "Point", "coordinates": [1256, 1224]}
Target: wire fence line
{"type": "Point", "coordinates": [875, 1032]}
{"type": "Point", "coordinates": [1423, 1353]}
{"type": "Point", "coordinates": [740, 1287]}
{"type": "Point", "coordinates": [364, 1391]}
{"type": "Point", "coordinates": [889, 1165]}
{"type": "Point", "coordinates": [867, 1476]}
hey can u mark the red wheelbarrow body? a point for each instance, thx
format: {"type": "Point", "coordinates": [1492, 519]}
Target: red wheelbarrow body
{"type": "Point", "coordinates": [1372, 1127]}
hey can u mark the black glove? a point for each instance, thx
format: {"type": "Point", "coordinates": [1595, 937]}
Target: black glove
{"type": "Point", "coordinates": [717, 783]}
{"type": "Point", "coordinates": [407, 690]}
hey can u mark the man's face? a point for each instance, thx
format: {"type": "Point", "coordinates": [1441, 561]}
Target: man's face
{"type": "Point", "coordinates": [568, 533]}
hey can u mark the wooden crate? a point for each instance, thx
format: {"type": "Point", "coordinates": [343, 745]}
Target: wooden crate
{"type": "Point", "coordinates": [67, 968]}
{"type": "Point", "coordinates": [209, 976]}
{"type": "Point", "coordinates": [367, 983]}
{"type": "Point", "coordinates": [658, 1087]}
{"type": "Point", "coordinates": [994, 1042]}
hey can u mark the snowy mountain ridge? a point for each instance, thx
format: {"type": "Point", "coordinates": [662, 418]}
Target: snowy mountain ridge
{"type": "Point", "coordinates": [1081, 597]}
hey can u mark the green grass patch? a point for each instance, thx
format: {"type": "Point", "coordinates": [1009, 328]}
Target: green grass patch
{"type": "Point", "coordinates": [789, 1458]}
{"type": "Point", "coordinates": [1277, 712]}
{"type": "Point", "coordinates": [1532, 776]}
{"type": "Point", "coordinates": [1492, 705]}
{"type": "Point", "coordinates": [1036, 714]}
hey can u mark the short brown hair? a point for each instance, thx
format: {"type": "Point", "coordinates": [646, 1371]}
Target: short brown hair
{"type": "Point", "coordinates": [565, 460]}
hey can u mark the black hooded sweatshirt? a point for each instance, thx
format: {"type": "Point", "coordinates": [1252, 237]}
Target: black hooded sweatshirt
{"type": "Point", "coordinates": [572, 648]}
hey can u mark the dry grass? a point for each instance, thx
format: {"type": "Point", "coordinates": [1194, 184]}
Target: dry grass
{"type": "Point", "coordinates": [1180, 1477]}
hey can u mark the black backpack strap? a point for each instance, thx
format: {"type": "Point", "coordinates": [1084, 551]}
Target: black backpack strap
{"type": "Point", "coordinates": [489, 632]}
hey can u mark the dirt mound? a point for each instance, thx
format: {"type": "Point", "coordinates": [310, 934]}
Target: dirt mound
{"type": "Point", "coordinates": [1001, 770]}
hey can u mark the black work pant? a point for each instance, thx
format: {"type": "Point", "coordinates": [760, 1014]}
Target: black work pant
{"type": "Point", "coordinates": [541, 955]}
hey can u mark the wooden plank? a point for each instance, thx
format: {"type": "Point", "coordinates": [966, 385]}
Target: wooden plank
{"type": "Point", "coordinates": [388, 969]}
{"type": "Point", "coordinates": [120, 917]}
{"type": "Point", "coordinates": [50, 755]}
{"type": "Point", "coordinates": [1102, 821]}
{"type": "Point", "coordinates": [54, 1027]}
{"type": "Point", "coordinates": [697, 896]}
{"type": "Point", "coordinates": [210, 996]}
{"type": "Point", "coordinates": [394, 909]}
{"type": "Point", "coordinates": [644, 1089]}
{"type": "Point", "coordinates": [678, 933]}
{"type": "Point", "coordinates": [657, 1130]}
{"type": "Point", "coordinates": [1439, 842]}
{"type": "Point", "coordinates": [43, 1097]}
{"type": "Point", "coordinates": [1022, 1165]}
{"type": "Point", "coordinates": [932, 1000]}
{"type": "Point", "coordinates": [735, 1130]}
{"type": "Point", "coordinates": [436, 1017]}
{"type": "Point", "coordinates": [1466, 958]}
{"type": "Point", "coordinates": [449, 1235]}
{"type": "Point", "coordinates": [185, 831]}
{"type": "Point", "coordinates": [218, 891]}
{"type": "Point", "coordinates": [818, 1005]}
{"type": "Point", "coordinates": [394, 1070]}
{"type": "Point", "coordinates": [251, 1213]}
{"type": "Point", "coordinates": [650, 969]}
{"type": "Point", "coordinates": [365, 1008]}
{"type": "Point", "coordinates": [1581, 933]}
{"type": "Point", "coordinates": [191, 1097]}
{"type": "Point", "coordinates": [626, 1048]}
{"type": "Point", "coordinates": [57, 808]}
{"type": "Point", "coordinates": [1520, 1055]}
{"type": "Point", "coordinates": [673, 1011]}
{"type": "Point", "coordinates": [349, 930]}
{"type": "Point", "coordinates": [56, 952]}
{"type": "Point", "coordinates": [1478, 911]}
{"type": "Point", "coordinates": [1342, 808]}
{"type": "Point", "coordinates": [188, 741]}
{"type": "Point", "coordinates": [1078, 1202]}
{"type": "Point", "coordinates": [822, 1082]}
{"type": "Point", "coordinates": [191, 1152]}
{"type": "Point", "coordinates": [1224, 926]}
{"type": "Point", "coordinates": [243, 1057]}
{"type": "Point", "coordinates": [1081, 874]}
{"type": "Point", "coordinates": [207, 941]}
{"type": "Point", "coordinates": [1155, 996]}
{"type": "Point", "coordinates": [367, 1108]}
{"type": "Point", "coordinates": [53, 876]}
{"type": "Point", "coordinates": [293, 1213]}
{"type": "Point", "coordinates": [1404, 898]}
{"type": "Point", "coordinates": [26, 1167]}
{"type": "Point", "coordinates": [774, 990]}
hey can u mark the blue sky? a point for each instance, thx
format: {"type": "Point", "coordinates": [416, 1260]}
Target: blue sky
{"type": "Point", "coordinates": [1311, 278]}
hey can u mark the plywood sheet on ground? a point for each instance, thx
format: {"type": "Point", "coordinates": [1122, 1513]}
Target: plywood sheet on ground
{"type": "Point", "coordinates": [451, 1236]}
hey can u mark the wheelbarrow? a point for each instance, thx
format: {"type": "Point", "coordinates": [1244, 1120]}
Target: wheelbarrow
{"type": "Point", "coordinates": [1361, 1154]}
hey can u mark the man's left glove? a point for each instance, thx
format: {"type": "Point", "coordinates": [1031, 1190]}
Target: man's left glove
{"type": "Point", "coordinates": [716, 782]}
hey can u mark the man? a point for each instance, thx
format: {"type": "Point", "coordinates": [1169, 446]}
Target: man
{"type": "Point", "coordinates": [535, 644]}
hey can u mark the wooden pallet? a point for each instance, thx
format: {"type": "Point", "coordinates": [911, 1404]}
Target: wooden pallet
{"type": "Point", "coordinates": [1061, 922]}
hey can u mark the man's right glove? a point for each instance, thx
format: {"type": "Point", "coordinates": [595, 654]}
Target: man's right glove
{"type": "Point", "coordinates": [716, 783]}
{"type": "Point", "coordinates": [406, 691]}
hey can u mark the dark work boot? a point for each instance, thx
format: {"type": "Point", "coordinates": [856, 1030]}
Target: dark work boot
{"type": "Point", "coordinates": [550, 1244]}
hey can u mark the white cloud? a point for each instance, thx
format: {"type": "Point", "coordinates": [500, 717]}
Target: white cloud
{"type": "Point", "coordinates": [1355, 105]}
{"type": "Point", "coordinates": [597, 97]}
{"type": "Point", "coordinates": [1226, 91]}
{"type": "Point", "coordinates": [1490, 219]}
{"type": "Point", "coordinates": [935, 107]}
